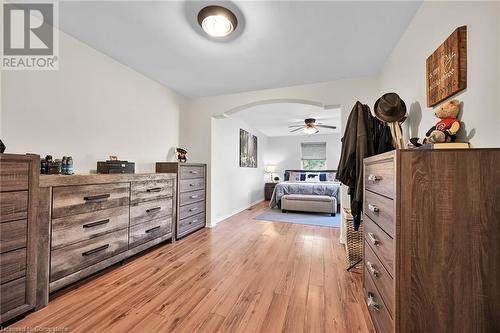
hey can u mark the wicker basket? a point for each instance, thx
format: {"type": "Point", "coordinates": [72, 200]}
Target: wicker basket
{"type": "Point", "coordinates": [354, 240]}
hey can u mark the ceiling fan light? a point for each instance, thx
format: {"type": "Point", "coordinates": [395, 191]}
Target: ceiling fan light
{"type": "Point", "coordinates": [310, 130]}
{"type": "Point", "coordinates": [217, 21]}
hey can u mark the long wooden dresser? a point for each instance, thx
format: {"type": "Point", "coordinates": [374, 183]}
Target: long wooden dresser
{"type": "Point", "coordinates": [90, 222]}
{"type": "Point", "coordinates": [432, 240]}
{"type": "Point", "coordinates": [18, 233]}
{"type": "Point", "coordinates": [191, 185]}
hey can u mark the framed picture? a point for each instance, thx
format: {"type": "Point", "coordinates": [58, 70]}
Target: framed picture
{"type": "Point", "coordinates": [248, 150]}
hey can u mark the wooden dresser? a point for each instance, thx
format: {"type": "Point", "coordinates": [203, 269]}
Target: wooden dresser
{"type": "Point", "coordinates": [18, 233]}
{"type": "Point", "coordinates": [191, 180]}
{"type": "Point", "coordinates": [432, 240]}
{"type": "Point", "coordinates": [93, 221]}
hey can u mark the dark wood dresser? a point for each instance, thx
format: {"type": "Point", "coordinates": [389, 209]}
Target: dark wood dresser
{"type": "Point", "coordinates": [268, 190]}
{"type": "Point", "coordinates": [90, 222]}
{"type": "Point", "coordinates": [18, 233]}
{"type": "Point", "coordinates": [432, 240]}
{"type": "Point", "coordinates": [191, 195]}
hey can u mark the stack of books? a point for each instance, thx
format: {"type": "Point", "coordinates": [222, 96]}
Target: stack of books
{"type": "Point", "coordinates": [448, 145]}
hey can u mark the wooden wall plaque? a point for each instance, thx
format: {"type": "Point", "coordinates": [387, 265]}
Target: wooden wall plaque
{"type": "Point", "coordinates": [447, 68]}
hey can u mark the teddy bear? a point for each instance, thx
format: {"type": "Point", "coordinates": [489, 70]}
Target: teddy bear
{"type": "Point", "coordinates": [447, 127]}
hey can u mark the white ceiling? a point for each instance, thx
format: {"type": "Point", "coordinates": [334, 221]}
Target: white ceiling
{"type": "Point", "coordinates": [273, 119]}
{"type": "Point", "coordinates": [277, 43]}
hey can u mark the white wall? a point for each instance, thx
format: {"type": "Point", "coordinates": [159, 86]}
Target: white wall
{"type": "Point", "coordinates": [198, 135]}
{"type": "Point", "coordinates": [285, 151]}
{"type": "Point", "coordinates": [404, 71]}
{"type": "Point", "coordinates": [235, 188]}
{"type": "Point", "coordinates": [90, 108]}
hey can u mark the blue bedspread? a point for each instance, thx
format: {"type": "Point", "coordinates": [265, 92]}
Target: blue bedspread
{"type": "Point", "coordinates": [320, 188]}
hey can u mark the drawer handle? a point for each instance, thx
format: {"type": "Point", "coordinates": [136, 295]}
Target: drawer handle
{"type": "Point", "coordinates": [193, 172]}
{"type": "Point", "coordinates": [151, 210]}
{"type": "Point", "coordinates": [373, 208]}
{"type": "Point", "coordinates": [95, 224]}
{"type": "Point", "coordinates": [374, 178]}
{"type": "Point", "coordinates": [193, 221]}
{"type": "Point", "coordinates": [371, 302]}
{"type": "Point", "coordinates": [191, 184]}
{"type": "Point", "coordinates": [154, 189]}
{"type": "Point", "coordinates": [373, 239]}
{"type": "Point", "coordinates": [193, 209]}
{"type": "Point", "coordinates": [194, 197]}
{"type": "Point", "coordinates": [372, 269]}
{"type": "Point", "coordinates": [97, 197]}
{"type": "Point", "coordinates": [97, 249]}
{"type": "Point", "coordinates": [152, 229]}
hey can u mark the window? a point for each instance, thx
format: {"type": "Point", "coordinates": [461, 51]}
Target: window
{"type": "Point", "coordinates": [313, 155]}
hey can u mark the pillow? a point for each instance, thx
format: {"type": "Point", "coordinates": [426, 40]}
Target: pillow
{"type": "Point", "coordinates": [330, 176]}
{"type": "Point", "coordinates": [312, 177]}
{"type": "Point", "coordinates": [294, 176]}
{"type": "Point", "coordinates": [302, 177]}
{"type": "Point", "coordinates": [322, 177]}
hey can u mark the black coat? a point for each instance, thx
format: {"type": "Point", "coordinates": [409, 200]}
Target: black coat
{"type": "Point", "coordinates": [364, 136]}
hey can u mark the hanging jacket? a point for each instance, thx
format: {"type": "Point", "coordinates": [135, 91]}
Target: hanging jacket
{"type": "Point", "coordinates": [364, 136]}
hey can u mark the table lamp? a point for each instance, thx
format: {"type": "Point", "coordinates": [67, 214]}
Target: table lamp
{"type": "Point", "coordinates": [271, 169]}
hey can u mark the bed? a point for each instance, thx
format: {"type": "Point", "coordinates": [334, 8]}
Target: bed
{"type": "Point", "coordinates": [306, 183]}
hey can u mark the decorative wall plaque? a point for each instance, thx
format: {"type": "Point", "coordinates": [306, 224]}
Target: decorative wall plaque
{"type": "Point", "coordinates": [447, 68]}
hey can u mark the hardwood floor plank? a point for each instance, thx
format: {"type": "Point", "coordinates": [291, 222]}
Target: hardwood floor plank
{"type": "Point", "coordinates": [243, 276]}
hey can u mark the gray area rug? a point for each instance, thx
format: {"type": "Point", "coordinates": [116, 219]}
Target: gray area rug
{"type": "Point", "coordinates": [325, 220]}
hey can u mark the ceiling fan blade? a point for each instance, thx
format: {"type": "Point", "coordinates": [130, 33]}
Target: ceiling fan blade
{"type": "Point", "coordinates": [295, 130]}
{"type": "Point", "coordinates": [302, 125]}
{"type": "Point", "coordinates": [326, 126]}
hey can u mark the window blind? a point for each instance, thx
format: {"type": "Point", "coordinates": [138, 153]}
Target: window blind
{"type": "Point", "coordinates": [313, 150]}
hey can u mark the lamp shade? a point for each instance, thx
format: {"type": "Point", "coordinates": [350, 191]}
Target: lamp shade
{"type": "Point", "coordinates": [270, 168]}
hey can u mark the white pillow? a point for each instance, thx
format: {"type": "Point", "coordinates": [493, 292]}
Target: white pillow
{"type": "Point", "coordinates": [294, 176]}
{"type": "Point", "coordinates": [312, 177]}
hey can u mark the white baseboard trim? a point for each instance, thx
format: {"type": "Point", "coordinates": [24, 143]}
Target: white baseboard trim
{"type": "Point", "coordinates": [239, 210]}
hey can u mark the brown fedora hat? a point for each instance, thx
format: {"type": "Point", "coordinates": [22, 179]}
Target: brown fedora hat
{"type": "Point", "coordinates": [390, 108]}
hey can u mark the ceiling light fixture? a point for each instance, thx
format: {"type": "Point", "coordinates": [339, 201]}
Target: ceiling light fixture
{"type": "Point", "coordinates": [217, 21]}
{"type": "Point", "coordinates": [310, 130]}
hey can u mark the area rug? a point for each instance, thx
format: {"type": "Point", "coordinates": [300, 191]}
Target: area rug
{"type": "Point", "coordinates": [325, 220]}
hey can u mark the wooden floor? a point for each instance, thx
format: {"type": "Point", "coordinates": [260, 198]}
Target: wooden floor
{"type": "Point", "coordinates": [242, 276]}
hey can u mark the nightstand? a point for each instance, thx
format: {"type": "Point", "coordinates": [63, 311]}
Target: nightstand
{"type": "Point", "coordinates": [268, 190]}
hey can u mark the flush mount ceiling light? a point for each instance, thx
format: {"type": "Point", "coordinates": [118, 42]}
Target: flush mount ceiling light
{"type": "Point", "coordinates": [217, 21]}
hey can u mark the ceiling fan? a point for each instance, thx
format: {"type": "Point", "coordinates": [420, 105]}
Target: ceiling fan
{"type": "Point", "coordinates": [310, 126]}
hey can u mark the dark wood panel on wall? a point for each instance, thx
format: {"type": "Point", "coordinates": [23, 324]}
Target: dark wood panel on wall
{"type": "Point", "coordinates": [447, 68]}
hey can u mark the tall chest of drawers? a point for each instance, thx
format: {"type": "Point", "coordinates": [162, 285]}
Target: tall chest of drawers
{"type": "Point", "coordinates": [18, 233]}
{"type": "Point", "coordinates": [432, 249]}
{"type": "Point", "coordinates": [191, 180]}
{"type": "Point", "coordinates": [93, 221]}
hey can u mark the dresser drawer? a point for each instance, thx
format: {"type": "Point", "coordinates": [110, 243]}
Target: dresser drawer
{"type": "Point", "coordinates": [191, 223]}
{"type": "Point", "coordinates": [187, 198]}
{"type": "Point", "coordinates": [14, 176]}
{"type": "Point", "coordinates": [381, 279]}
{"type": "Point", "coordinates": [192, 209]}
{"type": "Point", "coordinates": [151, 190]}
{"type": "Point", "coordinates": [13, 206]}
{"type": "Point", "coordinates": [381, 210]}
{"type": "Point", "coordinates": [12, 265]}
{"type": "Point", "coordinates": [379, 177]}
{"type": "Point", "coordinates": [378, 310]}
{"type": "Point", "coordinates": [13, 294]}
{"type": "Point", "coordinates": [146, 231]}
{"type": "Point", "coordinates": [13, 235]}
{"type": "Point", "coordinates": [77, 256]}
{"type": "Point", "coordinates": [187, 185]}
{"type": "Point", "coordinates": [72, 229]}
{"type": "Point", "coordinates": [72, 200]}
{"type": "Point", "coordinates": [190, 172]}
{"type": "Point", "coordinates": [147, 211]}
{"type": "Point", "coordinates": [381, 243]}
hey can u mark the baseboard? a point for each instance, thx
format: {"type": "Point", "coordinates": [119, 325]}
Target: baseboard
{"type": "Point", "coordinates": [239, 210]}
